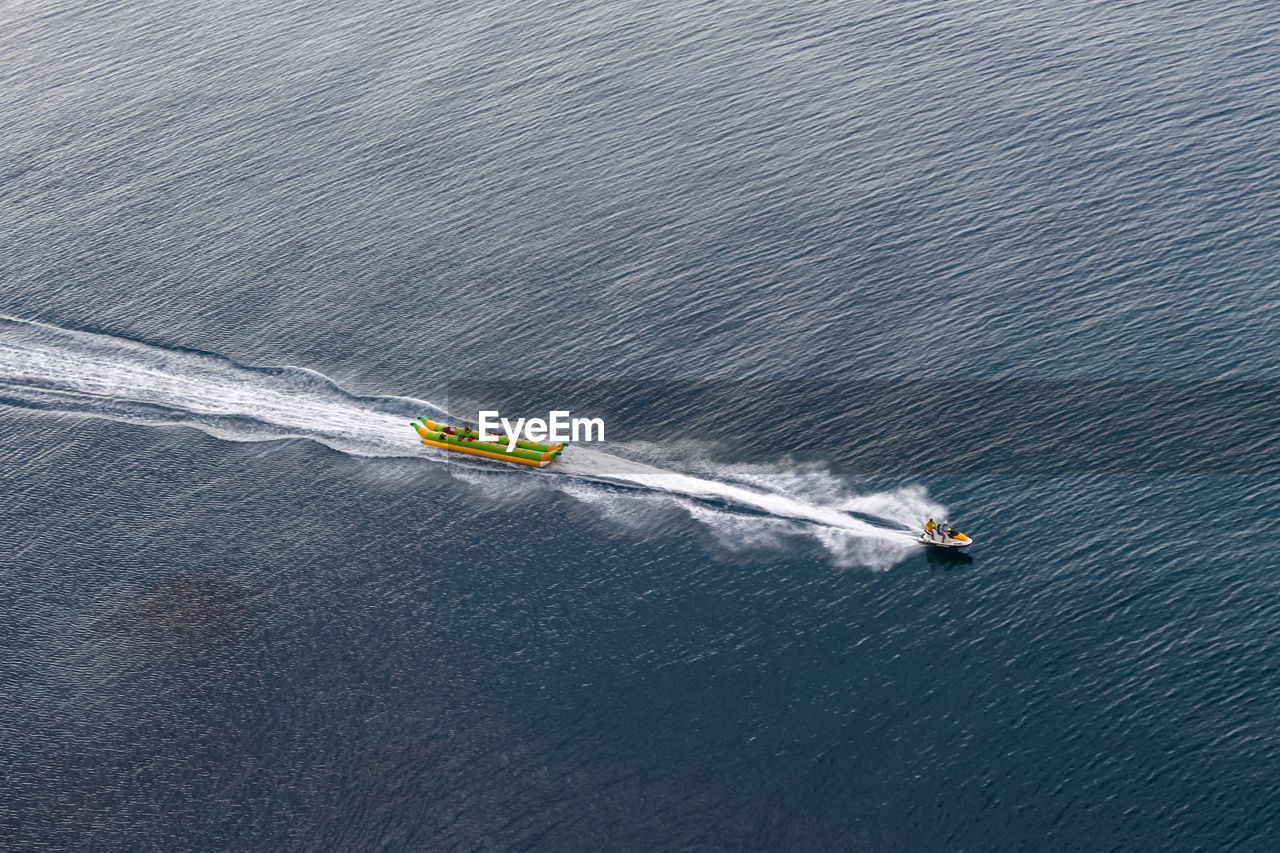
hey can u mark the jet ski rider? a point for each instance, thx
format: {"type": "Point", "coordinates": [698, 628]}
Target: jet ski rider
{"type": "Point", "coordinates": [932, 527]}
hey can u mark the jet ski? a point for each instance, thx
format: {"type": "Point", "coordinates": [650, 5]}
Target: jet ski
{"type": "Point", "coordinates": [943, 535]}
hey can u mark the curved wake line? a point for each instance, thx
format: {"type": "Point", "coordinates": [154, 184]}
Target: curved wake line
{"type": "Point", "coordinates": [44, 367]}
{"type": "Point", "coordinates": [590, 463]}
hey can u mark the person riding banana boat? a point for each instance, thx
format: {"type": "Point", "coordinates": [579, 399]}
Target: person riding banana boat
{"type": "Point", "coordinates": [944, 535]}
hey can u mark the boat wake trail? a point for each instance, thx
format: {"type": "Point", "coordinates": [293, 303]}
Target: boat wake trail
{"type": "Point", "coordinates": [47, 368]}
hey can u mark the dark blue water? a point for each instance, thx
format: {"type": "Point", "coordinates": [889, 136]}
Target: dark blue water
{"type": "Point", "coordinates": [828, 269]}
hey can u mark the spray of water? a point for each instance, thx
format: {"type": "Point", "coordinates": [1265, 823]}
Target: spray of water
{"type": "Point", "coordinates": [44, 367]}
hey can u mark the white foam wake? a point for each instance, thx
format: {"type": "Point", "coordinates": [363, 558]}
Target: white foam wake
{"type": "Point", "coordinates": [44, 367]}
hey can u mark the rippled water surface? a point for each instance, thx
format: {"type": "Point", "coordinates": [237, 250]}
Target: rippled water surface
{"type": "Point", "coordinates": [829, 268]}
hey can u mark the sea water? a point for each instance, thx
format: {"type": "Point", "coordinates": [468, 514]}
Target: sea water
{"type": "Point", "coordinates": [828, 268]}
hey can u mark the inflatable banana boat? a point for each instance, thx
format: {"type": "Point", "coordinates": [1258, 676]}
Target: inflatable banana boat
{"type": "Point", "coordinates": [467, 440]}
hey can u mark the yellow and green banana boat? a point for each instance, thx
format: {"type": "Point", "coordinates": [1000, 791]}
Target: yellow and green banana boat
{"type": "Point", "coordinates": [467, 440]}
